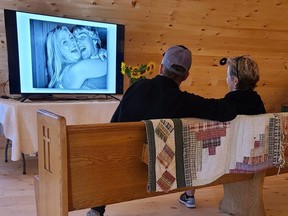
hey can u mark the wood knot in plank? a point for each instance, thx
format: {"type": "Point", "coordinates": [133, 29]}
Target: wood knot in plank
{"type": "Point", "coordinates": [134, 3]}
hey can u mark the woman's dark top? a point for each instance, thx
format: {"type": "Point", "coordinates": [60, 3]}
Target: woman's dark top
{"type": "Point", "coordinates": [161, 97]}
{"type": "Point", "coordinates": [246, 102]}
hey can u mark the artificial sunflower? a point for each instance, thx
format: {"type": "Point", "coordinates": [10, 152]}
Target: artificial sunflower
{"type": "Point", "coordinates": [150, 68]}
{"type": "Point", "coordinates": [137, 72]}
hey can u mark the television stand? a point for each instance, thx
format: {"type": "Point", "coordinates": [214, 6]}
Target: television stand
{"type": "Point", "coordinates": [109, 95]}
{"type": "Point", "coordinates": [41, 97]}
{"type": "Point", "coordinates": [37, 97]}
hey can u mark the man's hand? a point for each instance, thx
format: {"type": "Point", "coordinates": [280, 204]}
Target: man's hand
{"type": "Point", "coordinates": [102, 53]}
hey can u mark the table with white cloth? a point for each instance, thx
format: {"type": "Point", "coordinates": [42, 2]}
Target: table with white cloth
{"type": "Point", "coordinates": [19, 120]}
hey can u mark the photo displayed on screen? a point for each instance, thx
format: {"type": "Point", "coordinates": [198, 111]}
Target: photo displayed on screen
{"type": "Point", "coordinates": [51, 55]}
{"type": "Point", "coordinates": [68, 56]}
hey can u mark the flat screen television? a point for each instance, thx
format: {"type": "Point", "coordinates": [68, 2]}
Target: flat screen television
{"type": "Point", "coordinates": [54, 55]}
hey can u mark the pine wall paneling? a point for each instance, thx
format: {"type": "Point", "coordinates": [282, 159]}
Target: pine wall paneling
{"type": "Point", "coordinates": [211, 29]}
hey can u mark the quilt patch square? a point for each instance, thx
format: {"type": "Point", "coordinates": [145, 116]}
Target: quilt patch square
{"type": "Point", "coordinates": [257, 144]}
{"type": "Point", "coordinates": [165, 181]}
{"type": "Point", "coordinates": [166, 156]}
{"type": "Point", "coordinates": [211, 133]}
{"type": "Point", "coordinates": [212, 142]}
{"type": "Point", "coordinates": [212, 150]}
{"type": "Point", "coordinates": [163, 130]}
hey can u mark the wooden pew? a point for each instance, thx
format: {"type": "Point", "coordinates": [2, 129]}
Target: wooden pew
{"type": "Point", "coordinates": [80, 166]}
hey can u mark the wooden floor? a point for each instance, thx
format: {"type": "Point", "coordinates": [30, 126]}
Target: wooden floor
{"type": "Point", "coordinates": [17, 196]}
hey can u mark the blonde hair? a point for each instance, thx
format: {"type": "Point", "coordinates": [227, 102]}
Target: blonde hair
{"type": "Point", "coordinates": [246, 70]}
{"type": "Point", "coordinates": [56, 61]}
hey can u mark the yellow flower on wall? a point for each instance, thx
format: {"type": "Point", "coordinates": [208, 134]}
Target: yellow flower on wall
{"type": "Point", "coordinates": [135, 73]}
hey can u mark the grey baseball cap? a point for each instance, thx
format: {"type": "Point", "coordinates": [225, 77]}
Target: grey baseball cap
{"type": "Point", "coordinates": [177, 56]}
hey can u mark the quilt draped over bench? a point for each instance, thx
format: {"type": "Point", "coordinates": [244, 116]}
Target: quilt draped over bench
{"type": "Point", "coordinates": [192, 152]}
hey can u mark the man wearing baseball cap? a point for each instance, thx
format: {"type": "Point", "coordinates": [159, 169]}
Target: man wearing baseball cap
{"type": "Point", "coordinates": [178, 59]}
{"type": "Point", "coordinates": [161, 97]}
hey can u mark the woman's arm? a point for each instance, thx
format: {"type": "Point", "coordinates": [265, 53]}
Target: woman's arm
{"type": "Point", "coordinates": [84, 69]}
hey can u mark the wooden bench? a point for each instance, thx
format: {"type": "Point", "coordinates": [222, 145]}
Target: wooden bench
{"type": "Point", "coordinates": [80, 166]}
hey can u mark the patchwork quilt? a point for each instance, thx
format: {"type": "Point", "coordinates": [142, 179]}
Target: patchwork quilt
{"type": "Point", "coordinates": [191, 152]}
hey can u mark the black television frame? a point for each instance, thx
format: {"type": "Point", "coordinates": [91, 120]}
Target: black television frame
{"type": "Point", "coordinates": [13, 56]}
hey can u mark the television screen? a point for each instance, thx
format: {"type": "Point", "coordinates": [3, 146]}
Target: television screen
{"type": "Point", "coordinates": [55, 55]}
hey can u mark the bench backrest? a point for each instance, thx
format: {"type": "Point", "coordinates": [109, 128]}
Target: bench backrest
{"type": "Point", "coordinates": [81, 166]}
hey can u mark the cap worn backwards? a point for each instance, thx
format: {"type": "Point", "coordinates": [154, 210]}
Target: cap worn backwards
{"type": "Point", "coordinates": [177, 56]}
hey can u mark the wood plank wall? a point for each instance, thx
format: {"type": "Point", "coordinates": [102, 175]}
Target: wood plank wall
{"type": "Point", "coordinates": [211, 29]}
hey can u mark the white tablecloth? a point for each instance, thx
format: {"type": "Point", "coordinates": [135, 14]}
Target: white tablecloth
{"type": "Point", "coordinates": [19, 120]}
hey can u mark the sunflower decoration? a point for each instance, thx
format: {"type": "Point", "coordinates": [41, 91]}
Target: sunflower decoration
{"type": "Point", "coordinates": [135, 73]}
